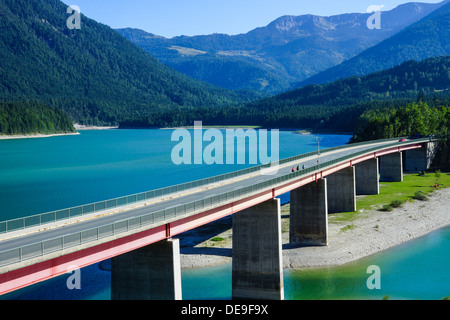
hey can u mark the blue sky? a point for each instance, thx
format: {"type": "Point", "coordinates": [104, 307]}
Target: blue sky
{"type": "Point", "coordinates": [194, 17]}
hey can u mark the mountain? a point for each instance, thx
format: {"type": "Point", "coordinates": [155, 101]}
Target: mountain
{"type": "Point", "coordinates": [92, 73]}
{"type": "Point", "coordinates": [273, 58]}
{"type": "Point", "coordinates": [334, 106]}
{"type": "Point", "coordinates": [404, 81]}
{"type": "Point", "coordinates": [429, 37]}
{"type": "Point", "coordinates": [338, 105]}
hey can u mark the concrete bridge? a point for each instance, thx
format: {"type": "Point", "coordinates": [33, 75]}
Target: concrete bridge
{"type": "Point", "coordinates": [137, 231]}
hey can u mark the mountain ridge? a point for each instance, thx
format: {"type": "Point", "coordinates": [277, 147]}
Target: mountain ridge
{"type": "Point", "coordinates": [429, 37]}
{"type": "Point", "coordinates": [274, 58]}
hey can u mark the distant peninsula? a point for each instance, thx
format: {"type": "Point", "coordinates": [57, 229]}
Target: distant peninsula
{"type": "Point", "coordinates": [30, 119]}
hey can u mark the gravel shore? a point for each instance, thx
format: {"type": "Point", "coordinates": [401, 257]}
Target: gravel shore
{"type": "Point", "coordinates": [33, 136]}
{"type": "Point", "coordinates": [371, 232]}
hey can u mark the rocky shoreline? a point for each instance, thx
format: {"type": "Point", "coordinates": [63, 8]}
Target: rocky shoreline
{"type": "Point", "coordinates": [371, 232]}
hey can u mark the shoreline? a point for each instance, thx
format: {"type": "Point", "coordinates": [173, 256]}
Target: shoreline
{"type": "Point", "coordinates": [77, 127]}
{"type": "Point", "coordinates": [34, 136]}
{"type": "Point", "coordinates": [80, 127]}
{"type": "Point", "coordinates": [372, 232]}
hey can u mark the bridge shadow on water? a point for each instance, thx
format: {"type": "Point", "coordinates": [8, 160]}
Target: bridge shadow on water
{"type": "Point", "coordinates": [209, 251]}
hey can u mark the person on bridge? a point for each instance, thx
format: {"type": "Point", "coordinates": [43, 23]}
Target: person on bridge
{"type": "Point", "coordinates": [293, 169]}
{"type": "Point", "coordinates": [303, 167]}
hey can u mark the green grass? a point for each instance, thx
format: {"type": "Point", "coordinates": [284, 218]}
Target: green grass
{"type": "Point", "coordinates": [348, 227]}
{"type": "Point", "coordinates": [394, 194]}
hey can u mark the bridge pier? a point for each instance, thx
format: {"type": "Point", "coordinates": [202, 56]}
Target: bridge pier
{"type": "Point", "coordinates": [367, 177]}
{"type": "Point", "coordinates": [257, 269]}
{"type": "Point", "coordinates": [391, 167]}
{"type": "Point", "coordinates": [341, 191]}
{"type": "Point", "coordinates": [420, 159]}
{"type": "Point", "coordinates": [149, 273]}
{"type": "Point", "coordinates": [309, 214]}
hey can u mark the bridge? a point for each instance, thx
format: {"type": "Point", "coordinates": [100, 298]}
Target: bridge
{"type": "Point", "coordinates": [136, 231]}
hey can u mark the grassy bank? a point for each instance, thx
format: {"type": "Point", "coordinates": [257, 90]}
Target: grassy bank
{"type": "Point", "coordinates": [414, 187]}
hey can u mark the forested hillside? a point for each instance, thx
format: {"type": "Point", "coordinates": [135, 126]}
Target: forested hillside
{"type": "Point", "coordinates": [23, 118]}
{"type": "Point", "coordinates": [403, 81]}
{"type": "Point", "coordinates": [414, 119]}
{"type": "Point", "coordinates": [335, 106]}
{"type": "Point", "coordinates": [93, 74]}
{"type": "Point", "coordinates": [98, 77]}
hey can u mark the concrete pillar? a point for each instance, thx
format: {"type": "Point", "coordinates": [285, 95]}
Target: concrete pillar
{"type": "Point", "coordinates": [420, 159]}
{"type": "Point", "coordinates": [367, 177]}
{"type": "Point", "coordinates": [257, 269]}
{"type": "Point", "coordinates": [309, 214]}
{"type": "Point", "coordinates": [341, 191]}
{"type": "Point", "coordinates": [149, 273]}
{"type": "Point", "coordinates": [391, 167]}
{"type": "Point", "coordinates": [416, 160]}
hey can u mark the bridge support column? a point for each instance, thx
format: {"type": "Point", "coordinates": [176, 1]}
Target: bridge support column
{"type": "Point", "coordinates": [341, 191]}
{"type": "Point", "coordinates": [420, 159]}
{"type": "Point", "coordinates": [309, 214]}
{"type": "Point", "coordinates": [367, 177]}
{"type": "Point", "coordinates": [149, 273]}
{"type": "Point", "coordinates": [391, 167]}
{"type": "Point", "coordinates": [257, 269]}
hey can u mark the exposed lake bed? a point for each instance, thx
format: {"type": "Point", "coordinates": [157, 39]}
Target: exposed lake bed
{"type": "Point", "coordinates": [372, 232]}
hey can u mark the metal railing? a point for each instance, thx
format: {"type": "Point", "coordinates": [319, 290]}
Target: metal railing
{"type": "Point", "coordinates": [160, 217]}
{"type": "Point", "coordinates": [63, 214]}
{"type": "Point", "coordinates": [54, 216]}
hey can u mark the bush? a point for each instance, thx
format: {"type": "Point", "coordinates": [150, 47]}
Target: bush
{"type": "Point", "coordinates": [438, 175]}
{"type": "Point", "coordinates": [387, 207]}
{"type": "Point", "coordinates": [396, 203]}
{"type": "Point", "coordinates": [420, 195]}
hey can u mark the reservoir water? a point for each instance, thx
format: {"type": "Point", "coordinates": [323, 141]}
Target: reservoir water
{"type": "Point", "coordinates": [40, 175]}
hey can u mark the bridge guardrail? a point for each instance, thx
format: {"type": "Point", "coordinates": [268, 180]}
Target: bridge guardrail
{"type": "Point", "coordinates": [71, 240]}
{"type": "Point", "coordinates": [77, 211]}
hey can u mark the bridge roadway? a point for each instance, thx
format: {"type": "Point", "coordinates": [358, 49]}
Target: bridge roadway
{"type": "Point", "coordinates": [22, 238]}
{"type": "Point", "coordinates": [8, 242]}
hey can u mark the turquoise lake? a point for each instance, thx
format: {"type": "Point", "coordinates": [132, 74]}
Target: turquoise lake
{"type": "Point", "coordinates": [40, 175]}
